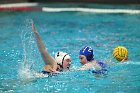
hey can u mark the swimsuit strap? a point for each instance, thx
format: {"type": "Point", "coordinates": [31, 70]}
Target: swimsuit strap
{"type": "Point", "coordinates": [101, 63]}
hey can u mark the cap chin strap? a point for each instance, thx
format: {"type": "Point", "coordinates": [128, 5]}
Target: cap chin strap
{"type": "Point", "coordinates": [64, 58]}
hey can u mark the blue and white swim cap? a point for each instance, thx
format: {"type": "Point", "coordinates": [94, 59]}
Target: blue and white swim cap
{"type": "Point", "coordinates": [87, 51]}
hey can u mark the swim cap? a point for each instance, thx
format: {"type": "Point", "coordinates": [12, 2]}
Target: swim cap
{"type": "Point", "coordinates": [61, 56]}
{"type": "Point", "coordinates": [87, 51]}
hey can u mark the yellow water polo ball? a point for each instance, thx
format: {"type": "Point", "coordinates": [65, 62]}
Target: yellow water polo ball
{"type": "Point", "coordinates": [120, 53]}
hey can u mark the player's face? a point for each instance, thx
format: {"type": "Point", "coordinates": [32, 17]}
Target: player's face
{"type": "Point", "coordinates": [66, 63]}
{"type": "Point", "coordinates": [83, 59]}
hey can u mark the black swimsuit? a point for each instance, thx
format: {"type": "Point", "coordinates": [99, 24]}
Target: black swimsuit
{"type": "Point", "coordinates": [46, 72]}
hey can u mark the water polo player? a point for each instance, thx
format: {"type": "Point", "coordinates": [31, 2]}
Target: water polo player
{"type": "Point", "coordinates": [62, 60]}
{"type": "Point", "coordinates": [86, 56]}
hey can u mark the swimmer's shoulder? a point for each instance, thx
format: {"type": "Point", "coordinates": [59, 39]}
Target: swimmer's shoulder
{"type": "Point", "coordinates": [86, 66]}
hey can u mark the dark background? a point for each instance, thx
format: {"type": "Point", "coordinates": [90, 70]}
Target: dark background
{"type": "Point", "coordinates": [75, 1]}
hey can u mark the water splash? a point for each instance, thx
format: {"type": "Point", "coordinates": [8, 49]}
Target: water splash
{"type": "Point", "coordinates": [26, 70]}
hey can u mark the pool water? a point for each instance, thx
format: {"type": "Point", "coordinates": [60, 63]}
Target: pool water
{"type": "Point", "coordinates": [69, 31]}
